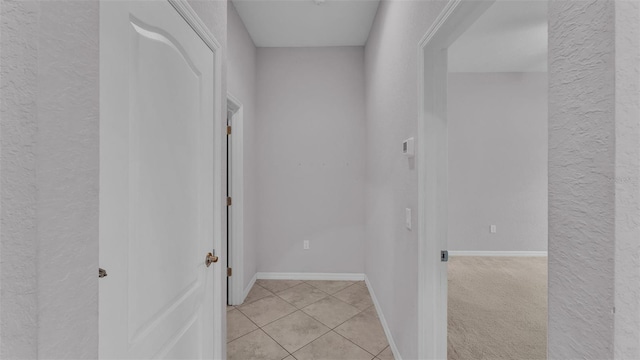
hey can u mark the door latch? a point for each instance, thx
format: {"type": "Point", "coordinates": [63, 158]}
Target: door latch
{"type": "Point", "coordinates": [444, 255]}
{"type": "Point", "coordinates": [102, 272]}
{"type": "Point", "coordinates": [211, 258]}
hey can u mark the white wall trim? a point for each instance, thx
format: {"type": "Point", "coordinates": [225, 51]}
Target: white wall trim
{"type": "Point", "coordinates": [236, 221]}
{"type": "Point", "coordinates": [192, 18]}
{"type": "Point", "coordinates": [498, 253]}
{"type": "Point", "coordinates": [246, 291]}
{"type": "Point", "coordinates": [432, 164]}
{"type": "Point", "coordinates": [437, 24]}
{"type": "Point", "coordinates": [310, 276]}
{"type": "Point", "coordinates": [383, 321]}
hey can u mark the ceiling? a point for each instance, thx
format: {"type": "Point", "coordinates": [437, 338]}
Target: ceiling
{"type": "Point", "coordinates": [302, 23]}
{"type": "Point", "coordinates": [511, 36]}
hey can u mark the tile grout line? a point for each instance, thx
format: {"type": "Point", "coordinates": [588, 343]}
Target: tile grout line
{"type": "Point", "coordinates": [266, 333]}
{"type": "Point", "coordinates": [278, 280]}
{"type": "Point", "coordinates": [238, 338]}
{"type": "Point", "coordinates": [348, 286]}
{"type": "Point", "coordinates": [351, 317]}
{"type": "Point", "coordinates": [349, 340]}
{"type": "Point", "coordinates": [301, 309]}
{"type": "Point", "coordinates": [305, 345]}
{"type": "Point", "coordinates": [272, 320]}
{"type": "Point", "coordinates": [330, 295]}
{"type": "Point", "coordinates": [285, 349]}
{"type": "Point", "coordinates": [334, 330]}
{"type": "Point", "coordinates": [361, 311]}
{"type": "Point", "coordinates": [253, 322]}
{"type": "Point", "coordinates": [307, 304]}
{"type": "Point", "coordinates": [383, 350]}
{"type": "Point", "coordinates": [251, 302]}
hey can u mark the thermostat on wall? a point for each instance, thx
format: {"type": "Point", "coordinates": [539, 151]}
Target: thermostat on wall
{"type": "Point", "coordinates": [408, 148]}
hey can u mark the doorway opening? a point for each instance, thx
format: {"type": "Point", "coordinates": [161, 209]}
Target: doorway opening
{"type": "Point", "coordinates": [235, 196]}
{"type": "Point", "coordinates": [483, 180]}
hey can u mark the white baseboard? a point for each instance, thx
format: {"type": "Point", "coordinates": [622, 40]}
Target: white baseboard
{"type": "Point", "coordinates": [310, 276]}
{"type": "Point", "coordinates": [383, 321]}
{"type": "Point", "coordinates": [248, 288]}
{"type": "Point", "coordinates": [497, 253]}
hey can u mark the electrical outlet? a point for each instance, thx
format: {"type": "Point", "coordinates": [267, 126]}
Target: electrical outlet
{"type": "Point", "coordinates": [305, 244]}
{"type": "Point", "coordinates": [493, 229]}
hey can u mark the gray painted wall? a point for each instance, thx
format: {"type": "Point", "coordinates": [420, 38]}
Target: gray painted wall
{"type": "Point", "coordinates": [311, 159]}
{"type": "Point", "coordinates": [391, 261]}
{"type": "Point", "coordinates": [49, 142]}
{"type": "Point", "coordinates": [497, 161]}
{"type": "Point", "coordinates": [241, 82]}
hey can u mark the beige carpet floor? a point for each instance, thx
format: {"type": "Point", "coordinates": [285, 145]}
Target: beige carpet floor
{"type": "Point", "coordinates": [497, 308]}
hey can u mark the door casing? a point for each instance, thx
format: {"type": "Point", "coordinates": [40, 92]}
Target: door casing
{"type": "Point", "coordinates": [432, 162]}
{"type": "Point", "coordinates": [236, 211]}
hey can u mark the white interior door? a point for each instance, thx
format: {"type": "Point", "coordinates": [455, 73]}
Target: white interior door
{"type": "Point", "coordinates": [156, 184]}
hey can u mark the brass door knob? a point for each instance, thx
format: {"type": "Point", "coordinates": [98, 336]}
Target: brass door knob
{"type": "Point", "coordinates": [210, 259]}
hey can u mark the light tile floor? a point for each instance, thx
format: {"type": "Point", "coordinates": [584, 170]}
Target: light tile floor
{"type": "Point", "coordinates": [304, 320]}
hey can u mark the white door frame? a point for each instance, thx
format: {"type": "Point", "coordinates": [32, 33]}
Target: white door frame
{"type": "Point", "coordinates": [236, 223]}
{"type": "Point", "coordinates": [432, 162]}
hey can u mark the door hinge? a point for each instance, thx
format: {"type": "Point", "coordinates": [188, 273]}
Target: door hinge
{"type": "Point", "coordinates": [229, 272]}
{"type": "Point", "coordinates": [102, 272]}
{"type": "Point", "coordinates": [444, 255]}
{"type": "Point", "coordinates": [228, 129]}
{"type": "Point", "coordinates": [229, 201]}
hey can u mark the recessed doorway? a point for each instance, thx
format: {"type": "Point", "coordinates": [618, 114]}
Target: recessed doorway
{"type": "Point", "coordinates": [483, 182]}
{"type": "Point", "coordinates": [235, 202]}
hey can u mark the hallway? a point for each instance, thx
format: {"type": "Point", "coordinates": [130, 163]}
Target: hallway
{"type": "Point", "coordinates": [291, 319]}
{"type": "Point", "coordinates": [116, 151]}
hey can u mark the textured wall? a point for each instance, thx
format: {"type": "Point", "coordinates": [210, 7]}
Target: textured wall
{"type": "Point", "coordinates": [311, 159]}
{"type": "Point", "coordinates": [67, 171]}
{"type": "Point", "coordinates": [581, 173]}
{"type": "Point", "coordinates": [18, 188]}
{"type": "Point", "coordinates": [391, 260]}
{"type": "Point", "coordinates": [498, 138]}
{"type": "Point", "coordinates": [627, 180]}
{"type": "Point", "coordinates": [50, 179]}
{"type": "Point", "coordinates": [241, 81]}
